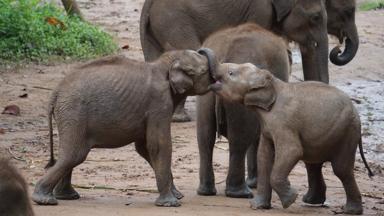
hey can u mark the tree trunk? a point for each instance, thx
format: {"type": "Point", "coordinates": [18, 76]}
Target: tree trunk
{"type": "Point", "coordinates": [72, 8]}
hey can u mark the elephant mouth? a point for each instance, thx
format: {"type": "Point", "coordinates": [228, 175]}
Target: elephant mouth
{"type": "Point", "coordinates": [217, 86]}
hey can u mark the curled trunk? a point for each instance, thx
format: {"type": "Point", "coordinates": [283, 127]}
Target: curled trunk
{"type": "Point", "coordinates": [340, 58]}
{"type": "Point", "coordinates": [212, 64]}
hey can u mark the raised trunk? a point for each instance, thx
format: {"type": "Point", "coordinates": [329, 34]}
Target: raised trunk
{"type": "Point", "coordinates": [315, 60]}
{"type": "Point", "coordinates": [340, 58]}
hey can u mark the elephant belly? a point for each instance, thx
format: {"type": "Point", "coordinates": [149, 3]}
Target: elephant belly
{"type": "Point", "coordinates": [115, 136]}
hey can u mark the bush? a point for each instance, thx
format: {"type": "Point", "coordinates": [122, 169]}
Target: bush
{"type": "Point", "coordinates": [35, 31]}
{"type": "Point", "coordinates": [372, 5]}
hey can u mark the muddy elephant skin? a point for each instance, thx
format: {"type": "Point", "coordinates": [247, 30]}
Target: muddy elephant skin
{"type": "Point", "coordinates": [308, 121]}
{"type": "Point", "coordinates": [114, 101]}
{"type": "Point", "coordinates": [245, 43]}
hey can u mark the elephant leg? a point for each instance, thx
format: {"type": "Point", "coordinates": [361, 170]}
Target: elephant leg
{"type": "Point", "coordinates": [73, 151]}
{"type": "Point", "coordinates": [317, 188]}
{"type": "Point", "coordinates": [242, 133]}
{"type": "Point", "coordinates": [285, 159]}
{"type": "Point", "coordinates": [236, 186]}
{"type": "Point", "coordinates": [159, 147]}
{"type": "Point", "coordinates": [343, 169]}
{"type": "Point", "coordinates": [64, 189]}
{"type": "Point", "coordinates": [143, 152]}
{"type": "Point", "coordinates": [180, 114]}
{"type": "Point", "coordinates": [206, 132]}
{"type": "Point", "coordinates": [252, 165]}
{"type": "Point", "coordinates": [265, 161]}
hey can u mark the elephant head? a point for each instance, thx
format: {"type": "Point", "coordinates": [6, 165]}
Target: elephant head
{"type": "Point", "coordinates": [190, 71]}
{"type": "Point", "coordinates": [245, 83]}
{"type": "Point", "coordinates": [305, 22]}
{"type": "Point", "coordinates": [341, 23]}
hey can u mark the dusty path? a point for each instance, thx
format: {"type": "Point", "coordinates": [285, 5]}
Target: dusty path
{"type": "Point", "coordinates": [119, 182]}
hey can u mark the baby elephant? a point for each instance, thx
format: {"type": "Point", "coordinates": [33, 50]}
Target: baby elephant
{"type": "Point", "coordinates": [115, 101]}
{"type": "Point", "coordinates": [14, 200]}
{"type": "Point", "coordinates": [308, 121]}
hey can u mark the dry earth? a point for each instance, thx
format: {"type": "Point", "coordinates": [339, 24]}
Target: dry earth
{"type": "Point", "coordinates": [119, 182]}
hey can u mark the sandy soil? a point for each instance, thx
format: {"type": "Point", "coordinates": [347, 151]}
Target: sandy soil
{"type": "Point", "coordinates": [119, 182]}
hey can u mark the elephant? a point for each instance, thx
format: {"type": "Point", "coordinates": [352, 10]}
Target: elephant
{"type": "Point", "coordinates": [167, 25]}
{"type": "Point", "coordinates": [309, 121]}
{"type": "Point", "coordinates": [245, 43]}
{"type": "Point", "coordinates": [341, 23]}
{"type": "Point", "coordinates": [14, 199]}
{"type": "Point", "coordinates": [114, 101]}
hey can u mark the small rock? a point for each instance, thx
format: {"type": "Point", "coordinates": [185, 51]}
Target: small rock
{"type": "Point", "coordinates": [11, 110]}
{"type": "Point", "coordinates": [25, 95]}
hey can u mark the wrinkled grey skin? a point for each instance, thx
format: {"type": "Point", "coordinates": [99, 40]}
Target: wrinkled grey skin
{"type": "Point", "coordinates": [245, 43]}
{"type": "Point", "coordinates": [14, 200]}
{"type": "Point", "coordinates": [308, 121]}
{"type": "Point", "coordinates": [115, 101]}
{"type": "Point", "coordinates": [168, 25]}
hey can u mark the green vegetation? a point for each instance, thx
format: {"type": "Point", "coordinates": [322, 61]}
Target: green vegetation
{"type": "Point", "coordinates": [372, 5]}
{"type": "Point", "coordinates": [32, 30]}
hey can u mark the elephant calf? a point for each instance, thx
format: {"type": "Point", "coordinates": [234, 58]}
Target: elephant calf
{"type": "Point", "coordinates": [14, 200]}
{"type": "Point", "coordinates": [115, 101]}
{"type": "Point", "coordinates": [308, 121]}
{"type": "Point", "coordinates": [244, 43]}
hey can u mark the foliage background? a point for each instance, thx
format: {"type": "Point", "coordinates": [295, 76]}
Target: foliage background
{"type": "Point", "coordinates": [32, 30]}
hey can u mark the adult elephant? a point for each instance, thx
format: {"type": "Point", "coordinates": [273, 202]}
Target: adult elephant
{"type": "Point", "coordinates": [168, 24]}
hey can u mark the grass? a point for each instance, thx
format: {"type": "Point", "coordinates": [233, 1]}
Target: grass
{"type": "Point", "coordinates": [33, 31]}
{"type": "Point", "coordinates": [372, 5]}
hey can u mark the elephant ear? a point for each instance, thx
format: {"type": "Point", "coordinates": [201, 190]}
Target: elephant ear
{"type": "Point", "coordinates": [178, 80]}
{"type": "Point", "coordinates": [282, 8]}
{"type": "Point", "coordinates": [262, 93]}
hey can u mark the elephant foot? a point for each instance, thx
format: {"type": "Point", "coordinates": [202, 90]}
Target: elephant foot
{"type": "Point", "coordinates": [44, 199]}
{"type": "Point", "coordinates": [260, 202]}
{"type": "Point", "coordinates": [251, 182]}
{"type": "Point", "coordinates": [205, 190]}
{"type": "Point", "coordinates": [239, 192]}
{"type": "Point", "coordinates": [288, 198]}
{"type": "Point", "coordinates": [167, 201]}
{"type": "Point", "coordinates": [353, 208]}
{"type": "Point", "coordinates": [66, 194]}
{"type": "Point", "coordinates": [181, 116]}
{"type": "Point", "coordinates": [314, 198]}
{"type": "Point", "coordinates": [177, 193]}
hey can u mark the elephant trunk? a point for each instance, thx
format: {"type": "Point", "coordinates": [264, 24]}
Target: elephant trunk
{"type": "Point", "coordinates": [315, 60]}
{"type": "Point", "coordinates": [212, 64]}
{"type": "Point", "coordinates": [351, 46]}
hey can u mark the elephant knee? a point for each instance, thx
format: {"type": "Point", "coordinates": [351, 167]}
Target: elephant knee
{"type": "Point", "coordinates": [277, 183]}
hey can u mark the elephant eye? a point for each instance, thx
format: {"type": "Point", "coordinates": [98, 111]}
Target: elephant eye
{"type": "Point", "coordinates": [316, 18]}
{"type": "Point", "coordinates": [230, 73]}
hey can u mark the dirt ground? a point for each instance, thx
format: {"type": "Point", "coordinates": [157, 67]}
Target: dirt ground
{"type": "Point", "coordinates": [119, 182]}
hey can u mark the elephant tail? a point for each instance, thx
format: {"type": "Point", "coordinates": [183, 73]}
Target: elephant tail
{"type": "Point", "coordinates": [51, 108]}
{"type": "Point", "coordinates": [370, 173]}
{"type": "Point", "coordinates": [151, 47]}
